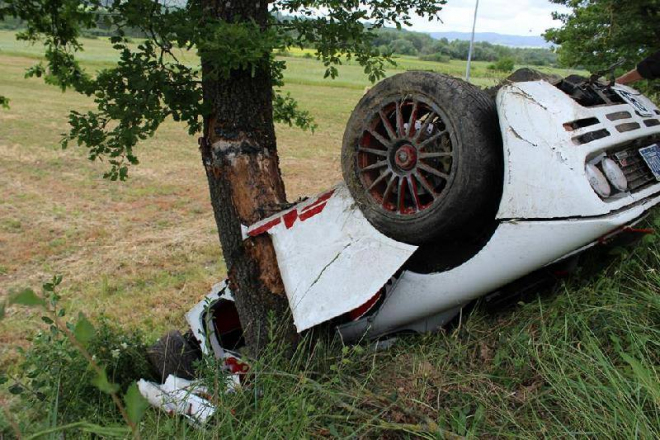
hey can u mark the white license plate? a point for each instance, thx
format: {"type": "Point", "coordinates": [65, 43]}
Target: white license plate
{"type": "Point", "coordinates": [635, 102]}
{"type": "Point", "coordinates": [651, 155]}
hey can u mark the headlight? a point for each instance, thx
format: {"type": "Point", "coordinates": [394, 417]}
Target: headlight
{"type": "Point", "coordinates": [615, 174]}
{"type": "Point", "coordinates": [597, 180]}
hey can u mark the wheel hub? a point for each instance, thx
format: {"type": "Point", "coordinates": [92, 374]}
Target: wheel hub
{"type": "Point", "coordinates": [406, 157]}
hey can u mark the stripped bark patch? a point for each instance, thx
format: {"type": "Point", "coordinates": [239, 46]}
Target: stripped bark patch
{"type": "Point", "coordinates": [261, 250]}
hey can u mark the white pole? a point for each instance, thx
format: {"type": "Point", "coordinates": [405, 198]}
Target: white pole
{"type": "Point", "coordinates": [474, 25]}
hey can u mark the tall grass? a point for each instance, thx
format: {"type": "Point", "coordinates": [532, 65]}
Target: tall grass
{"type": "Point", "coordinates": [578, 360]}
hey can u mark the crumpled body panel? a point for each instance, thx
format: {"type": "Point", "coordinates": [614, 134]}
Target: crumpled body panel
{"type": "Point", "coordinates": [331, 259]}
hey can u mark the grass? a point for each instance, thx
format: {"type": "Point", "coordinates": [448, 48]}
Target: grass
{"type": "Point", "coordinates": [579, 360]}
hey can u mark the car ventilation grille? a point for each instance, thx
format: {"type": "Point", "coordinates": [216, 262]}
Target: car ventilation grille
{"type": "Point", "coordinates": [601, 133]}
{"type": "Point", "coordinates": [619, 115]}
{"type": "Point", "coordinates": [591, 136]}
{"type": "Point", "coordinates": [580, 123]}
{"type": "Point", "coordinates": [634, 167]}
{"type": "Point", "coordinates": [627, 126]}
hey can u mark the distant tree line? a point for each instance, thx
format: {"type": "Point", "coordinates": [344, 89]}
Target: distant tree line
{"type": "Point", "coordinates": [104, 27]}
{"type": "Point", "coordinates": [10, 23]}
{"type": "Point", "coordinates": [427, 48]}
{"type": "Point", "coordinates": [390, 40]}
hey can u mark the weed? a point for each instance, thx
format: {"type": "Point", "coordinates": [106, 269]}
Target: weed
{"type": "Point", "coordinates": [75, 372]}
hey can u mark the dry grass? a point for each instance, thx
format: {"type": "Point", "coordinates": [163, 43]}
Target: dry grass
{"type": "Point", "coordinates": [143, 251]}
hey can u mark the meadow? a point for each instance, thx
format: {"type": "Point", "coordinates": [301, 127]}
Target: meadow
{"type": "Point", "coordinates": [580, 359]}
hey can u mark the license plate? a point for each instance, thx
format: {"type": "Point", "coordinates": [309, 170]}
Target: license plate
{"type": "Point", "coordinates": [636, 103]}
{"type": "Point", "coordinates": [651, 155]}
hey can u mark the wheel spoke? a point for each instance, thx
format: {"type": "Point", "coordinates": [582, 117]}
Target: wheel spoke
{"type": "Point", "coordinates": [402, 195]}
{"type": "Point", "coordinates": [413, 119]}
{"type": "Point", "coordinates": [435, 155]}
{"type": "Point", "coordinates": [374, 166]}
{"type": "Point", "coordinates": [425, 183]}
{"type": "Point", "coordinates": [399, 119]}
{"type": "Point", "coordinates": [388, 190]}
{"type": "Point", "coordinates": [424, 126]}
{"type": "Point", "coordinates": [379, 179]}
{"type": "Point", "coordinates": [381, 153]}
{"type": "Point", "coordinates": [428, 169]}
{"type": "Point", "coordinates": [387, 124]}
{"type": "Point", "coordinates": [380, 138]}
{"type": "Point", "coordinates": [431, 139]}
{"type": "Point", "coordinates": [413, 191]}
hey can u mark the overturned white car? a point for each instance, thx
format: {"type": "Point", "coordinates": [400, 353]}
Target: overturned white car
{"type": "Point", "coordinates": [450, 195]}
{"type": "Point", "coordinates": [442, 204]}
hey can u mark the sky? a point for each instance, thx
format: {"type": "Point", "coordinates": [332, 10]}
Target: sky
{"type": "Point", "coordinates": [512, 17]}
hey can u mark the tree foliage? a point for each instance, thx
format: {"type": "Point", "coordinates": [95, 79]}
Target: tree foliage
{"type": "Point", "coordinates": [597, 33]}
{"type": "Point", "coordinates": [157, 80]}
{"type": "Point", "coordinates": [503, 65]}
{"type": "Point", "coordinates": [403, 42]}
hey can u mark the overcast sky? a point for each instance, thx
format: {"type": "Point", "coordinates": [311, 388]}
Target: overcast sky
{"type": "Point", "coordinates": [513, 17]}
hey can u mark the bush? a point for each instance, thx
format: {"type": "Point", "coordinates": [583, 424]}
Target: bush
{"type": "Point", "coordinates": [402, 47]}
{"type": "Point", "coordinates": [503, 65]}
{"type": "Point", "coordinates": [57, 377]}
{"type": "Point", "coordinates": [437, 57]}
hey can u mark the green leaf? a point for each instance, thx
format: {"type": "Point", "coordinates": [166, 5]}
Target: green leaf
{"type": "Point", "coordinates": [136, 404]}
{"type": "Point", "coordinates": [3, 306]}
{"type": "Point", "coordinates": [27, 297]}
{"type": "Point", "coordinates": [84, 330]}
{"type": "Point", "coordinates": [101, 382]}
{"type": "Point", "coordinates": [16, 389]}
{"type": "Point", "coordinates": [50, 287]}
{"type": "Point", "coordinates": [47, 320]}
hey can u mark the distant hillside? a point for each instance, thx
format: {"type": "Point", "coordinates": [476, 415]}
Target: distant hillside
{"type": "Point", "coordinates": [493, 38]}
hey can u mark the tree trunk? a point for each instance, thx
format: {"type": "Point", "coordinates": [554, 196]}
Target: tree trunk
{"type": "Point", "coordinates": [242, 167]}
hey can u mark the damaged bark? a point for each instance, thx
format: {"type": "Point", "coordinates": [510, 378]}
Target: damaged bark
{"type": "Point", "coordinates": [239, 153]}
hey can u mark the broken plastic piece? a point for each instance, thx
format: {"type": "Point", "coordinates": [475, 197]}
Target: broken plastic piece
{"type": "Point", "coordinates": [179, 396]}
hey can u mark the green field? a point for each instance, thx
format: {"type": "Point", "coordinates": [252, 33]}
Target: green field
{"type": "Point", "coordinates": [579, 360]}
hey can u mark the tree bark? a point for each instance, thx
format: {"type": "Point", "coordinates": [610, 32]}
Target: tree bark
{"type": "Point", "coordinates": [242, 167]}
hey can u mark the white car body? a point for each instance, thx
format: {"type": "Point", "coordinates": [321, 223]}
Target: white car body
{"type": "Point", "coordinates": [335, 264]}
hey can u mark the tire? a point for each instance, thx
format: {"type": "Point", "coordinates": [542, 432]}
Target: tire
{"type": "Point", "coordinates": [173, 354]}
{"type": "Point", "coordinates": [434, 175]}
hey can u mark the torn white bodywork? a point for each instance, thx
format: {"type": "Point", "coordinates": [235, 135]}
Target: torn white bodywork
{"type": "Point", "coordinates": [331, 259]}
{"type": "Point", "coordinates": [178, 396]}
{"type": "Point", "coordinates": [188, 398]}
{"type": "Point", "coordinates": [200, 321]}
